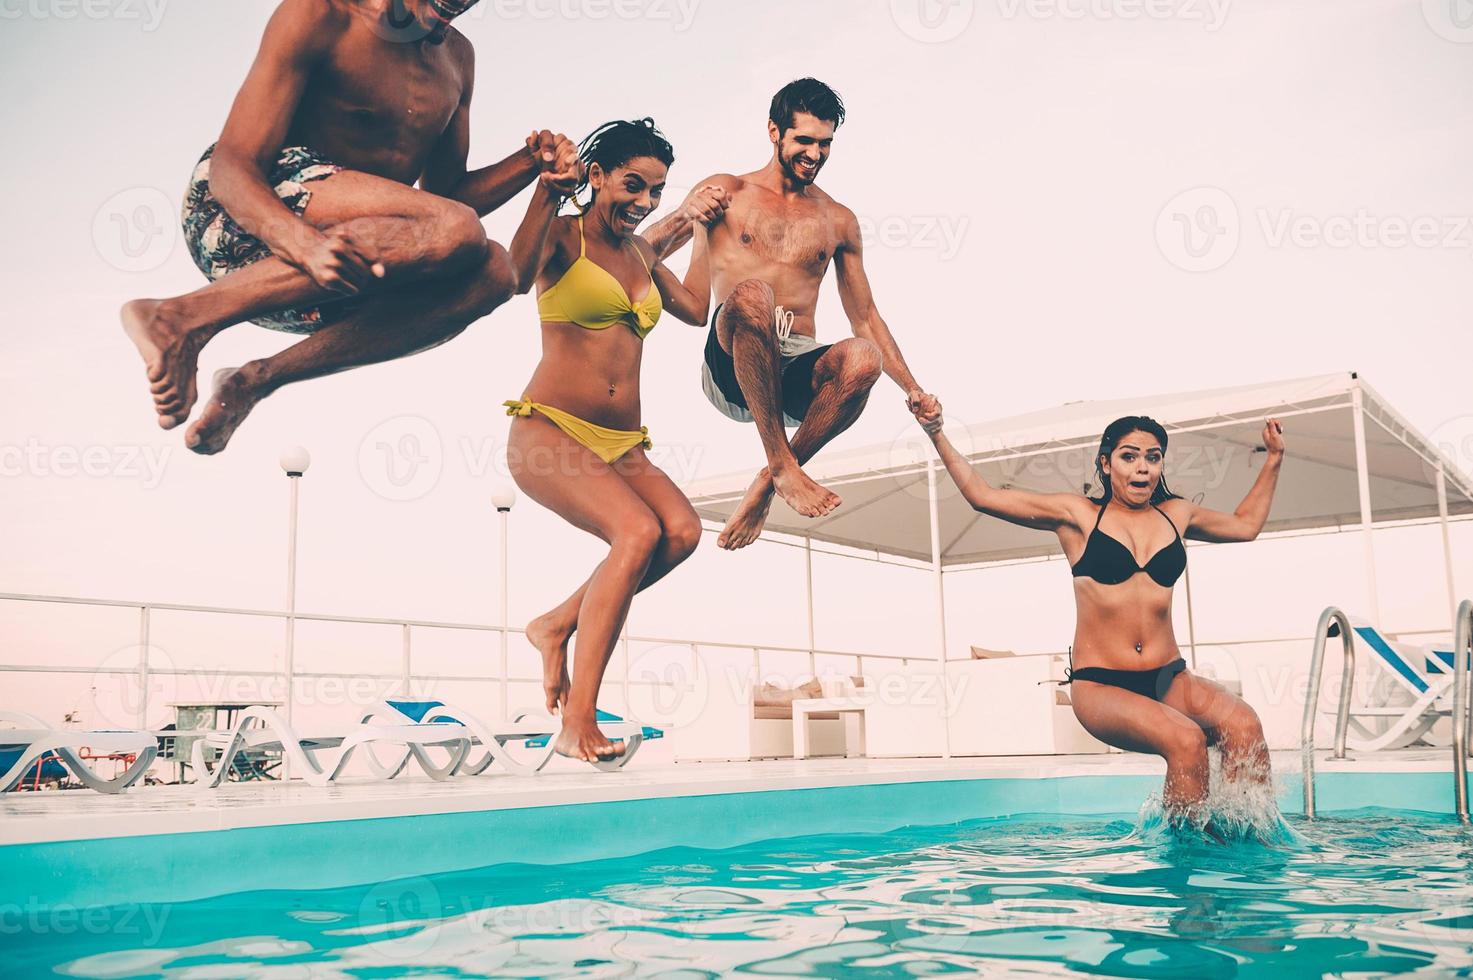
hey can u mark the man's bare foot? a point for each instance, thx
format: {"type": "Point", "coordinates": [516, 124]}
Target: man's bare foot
{"type": "Point", "coordinates": [231, 401]}
{"type": "Point", "coordinates": [170, 356]}
{"type": "Point", "coordinates": [802, 494]}
{"type": "Point", "coordinates": [551, 640]}
{"type": "Point", "coordinates": [746, 522]}
{"type": "Point", "coordinates": [584, 742]}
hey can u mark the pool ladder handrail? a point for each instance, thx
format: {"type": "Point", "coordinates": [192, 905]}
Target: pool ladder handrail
{"type": "Point", "coordinates": [1331, 616]}
{"type": "Point", "coordinates": [1462, 719]}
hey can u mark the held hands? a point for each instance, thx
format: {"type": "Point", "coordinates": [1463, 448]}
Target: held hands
{"type": "Point", "coordinates": [1273, 437]}
{"type": "Point", "coordinates": [338, 262]}
{"type": "Point", "coordinates": [542, 144]}
{"type": "Point", "coordinates": [562, 168]}
{"type": "Point", "coordinates": [926, 408]}
{"type": "Point", "coordinates": [706, 205]}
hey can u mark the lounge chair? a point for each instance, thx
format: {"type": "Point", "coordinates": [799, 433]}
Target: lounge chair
{"type": "Point", "coordinates": [533, 734]}
{"type": "Point", "coordinates": [263, 729]}
{"type": "Point", "coordinates": [1411, 692]}
{"type": "Point", "coordinates": [615, 728]}
{"type": "Point", "coordinates": [34, 741]}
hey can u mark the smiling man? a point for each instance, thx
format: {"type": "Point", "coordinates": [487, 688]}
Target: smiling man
{"type": "Point", "coordinates": [770, 252]}
{"type": "Point", "coordinates": [306, 219]}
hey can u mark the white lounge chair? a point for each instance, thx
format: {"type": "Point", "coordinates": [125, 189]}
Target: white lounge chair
{"type": "Point", "coordinates": [262, 729]}
{"type": "Point", "coordinates": [533, 735]}
{"type": "Point", "coordinates": [1411, 692]}
{"type": "Point", "coordinates": [36, 740]}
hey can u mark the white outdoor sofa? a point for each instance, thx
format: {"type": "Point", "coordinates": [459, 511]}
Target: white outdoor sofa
{"type": "Point", "coordinates": [896, 712]}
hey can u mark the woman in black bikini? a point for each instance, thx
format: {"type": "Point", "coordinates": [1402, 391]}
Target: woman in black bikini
{"type": "Point", "coordinates": [1132, 689]}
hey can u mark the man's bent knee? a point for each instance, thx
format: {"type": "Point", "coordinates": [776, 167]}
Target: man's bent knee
{"type": "Point", "coordinates": [459, 238]}
{"type": "Point", "coordinates": [860, 364]}
{"type": "Point", "coordinates": [498, 281]}
{"type": "Point", "coordinates": [751, 303]}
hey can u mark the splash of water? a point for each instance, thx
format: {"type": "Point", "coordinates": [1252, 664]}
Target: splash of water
{"type": "Point", "coordinates": [1242, 809]}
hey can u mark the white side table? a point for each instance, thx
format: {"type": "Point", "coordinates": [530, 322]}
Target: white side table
{"type": "Point", "coordinates": [852, 711]}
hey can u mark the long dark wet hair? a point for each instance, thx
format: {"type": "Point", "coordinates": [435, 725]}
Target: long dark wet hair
{"type": "Point", "coordinates": [1114, 432]}
{"type": "Point", "coordinates": [614, 144]}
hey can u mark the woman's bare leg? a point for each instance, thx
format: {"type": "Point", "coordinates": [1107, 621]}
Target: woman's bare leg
{"type": "Point", "coordinates": [573, 483]}
{"type": "Point", "coordinates": [680, 534]}
{"type": "Point", "coordinates": [1134, 723]}
{"type": "Point", "coordinates": [1229, 723]}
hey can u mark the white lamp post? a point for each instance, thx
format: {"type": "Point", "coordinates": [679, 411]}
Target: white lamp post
{"type": "Point", "coordinates": [294, 463]}
{"type": "Point", "coordinates": [504, 498]}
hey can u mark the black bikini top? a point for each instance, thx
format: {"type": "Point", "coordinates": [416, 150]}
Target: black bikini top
{"type": "Point", "coordinates": [1109, 562]}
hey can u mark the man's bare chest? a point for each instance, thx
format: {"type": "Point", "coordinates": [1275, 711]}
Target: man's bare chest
{"type": "Point", "coordinates": [803, 237]}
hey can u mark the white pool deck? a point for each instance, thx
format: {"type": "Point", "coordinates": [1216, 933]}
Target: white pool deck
{"type": "Point", "coordinates": [40, 817]}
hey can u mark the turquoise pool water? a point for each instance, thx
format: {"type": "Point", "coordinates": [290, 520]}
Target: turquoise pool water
{"type": "Point", "coordinates": [1371, 892]}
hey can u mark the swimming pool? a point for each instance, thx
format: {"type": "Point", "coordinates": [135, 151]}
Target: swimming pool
{"type": "Point", "coordinates": [1370, 892]}
{"type": "Point", "coordinates": [830, 867]}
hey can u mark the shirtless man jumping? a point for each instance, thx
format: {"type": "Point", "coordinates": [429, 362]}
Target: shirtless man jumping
{"type": "Point", "coordinates": [305, 218]}
{"type": "Point", "coordinates": [770, 252]}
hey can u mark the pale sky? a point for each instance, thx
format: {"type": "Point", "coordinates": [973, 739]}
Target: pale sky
{"type": "Point", "coordinates": [1030, 170]}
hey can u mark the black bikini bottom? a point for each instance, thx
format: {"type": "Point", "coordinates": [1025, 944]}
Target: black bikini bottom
{"type": "Point", "coordinates": [1151, 684]}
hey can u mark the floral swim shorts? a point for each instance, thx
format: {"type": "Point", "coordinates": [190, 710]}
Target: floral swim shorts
{"type": "Point", "coordinates": [220, 246]}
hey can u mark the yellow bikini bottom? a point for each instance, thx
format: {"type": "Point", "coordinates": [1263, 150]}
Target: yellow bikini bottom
{"type": "Point", "coordinates": [609, 445]}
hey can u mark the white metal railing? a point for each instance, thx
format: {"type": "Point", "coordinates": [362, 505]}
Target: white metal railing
{"type": "Point", "coordinates": [1338, 618]}
{"type": "Point", "coordinates": [1462, 721]}
{"type": "Point", "coordinates": [406, 677]}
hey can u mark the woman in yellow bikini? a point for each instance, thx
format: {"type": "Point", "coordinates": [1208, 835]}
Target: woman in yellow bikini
{"type": "Point", "coordinates": [577, 446]}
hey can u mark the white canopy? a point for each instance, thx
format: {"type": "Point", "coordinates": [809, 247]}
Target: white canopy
{"type": "Point", "coordinates": [1213, 456]}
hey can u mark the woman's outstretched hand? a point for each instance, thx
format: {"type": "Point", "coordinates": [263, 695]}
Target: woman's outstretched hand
{"type": "Point", "coordinates": [1273, 437]}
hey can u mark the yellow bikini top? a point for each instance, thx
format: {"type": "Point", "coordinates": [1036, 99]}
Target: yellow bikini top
{"type": "Point", "coordinates": [591, 297]}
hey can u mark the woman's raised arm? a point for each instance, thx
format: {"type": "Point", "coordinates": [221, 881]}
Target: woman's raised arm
{"type": "Point", "coordinates": [529, 247]}
{"type": "Point", "coordinates": [1044, 511]}
{"type": "Point", "coordinates": [1245, 523]}
{"type": "Point", "coordinates": [689, 301]}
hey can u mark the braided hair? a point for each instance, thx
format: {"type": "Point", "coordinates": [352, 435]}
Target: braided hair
{"type": "Point", "coordinates": [614, 144]}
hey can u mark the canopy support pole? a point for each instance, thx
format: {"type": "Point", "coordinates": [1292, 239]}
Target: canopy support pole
{"type": "Point", "coordinates": [1447, 541]}
{"type": "Point", "coordinates": [808, 575]}
{"type": "Point", "coordinates": [1363, 482]}
{"type": "Point", "coordinates": [939, 575]}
